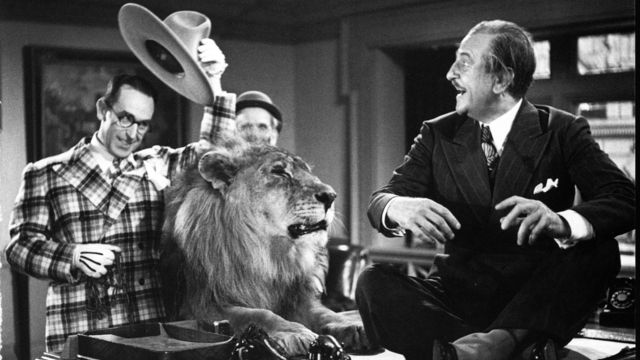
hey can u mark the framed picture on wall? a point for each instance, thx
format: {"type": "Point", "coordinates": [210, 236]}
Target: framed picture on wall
{"type": "Point", "coordinates": [62, 86]}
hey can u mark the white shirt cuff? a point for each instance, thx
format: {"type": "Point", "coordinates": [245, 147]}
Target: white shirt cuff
{"type": "Point", "coordinates": [396, 231]}
{"type": "Point", "coordinates": [581, 229]}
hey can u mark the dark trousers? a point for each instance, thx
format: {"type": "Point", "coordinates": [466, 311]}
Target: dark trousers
{"type": "Point", "coordinates": [551, 294]}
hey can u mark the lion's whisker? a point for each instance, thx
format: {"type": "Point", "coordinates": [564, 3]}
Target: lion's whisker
{"type": "Point", "coordinates": [337, 226]}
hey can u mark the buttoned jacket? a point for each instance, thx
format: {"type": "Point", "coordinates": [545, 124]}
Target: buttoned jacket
{"type": "Point", "coordinates": [67, 199]}
{"type": "Point", "coordinates": [546, 149]}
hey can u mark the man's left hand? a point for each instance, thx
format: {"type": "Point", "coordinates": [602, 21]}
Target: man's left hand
{"type": "Point", "coordinates": [213, 62]}
{"type": "Point", "coordinates": [534, 218]}
{"type": "Point", "coordinates": [211, 57]}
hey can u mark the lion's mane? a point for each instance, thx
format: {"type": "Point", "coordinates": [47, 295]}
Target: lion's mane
{"type": "Point", "coordinates": [221, 237]}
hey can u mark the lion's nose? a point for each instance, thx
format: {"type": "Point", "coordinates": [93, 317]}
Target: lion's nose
{"type": "Point", "coordinates": [327, 198]}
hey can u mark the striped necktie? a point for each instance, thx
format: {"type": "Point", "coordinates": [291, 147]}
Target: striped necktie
{"type": "Point", "coordinates": [490, 152]}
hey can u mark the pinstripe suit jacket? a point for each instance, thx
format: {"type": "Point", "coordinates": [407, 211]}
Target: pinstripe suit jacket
{"type": "Point", "coordinates": [447, 165]}
{"type": "Point", "coordinates": [67, 199]}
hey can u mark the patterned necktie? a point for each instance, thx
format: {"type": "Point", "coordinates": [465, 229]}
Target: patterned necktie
{"type": "Point", "coordinates": [114, 169]}
{"type": "Point", "coordinates": [490, 152]}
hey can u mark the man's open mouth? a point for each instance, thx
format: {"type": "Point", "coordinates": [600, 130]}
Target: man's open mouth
{"type": "Point", "coordinates": [297, 230]}
{"type": "Point", "coordinates": [459, 89]}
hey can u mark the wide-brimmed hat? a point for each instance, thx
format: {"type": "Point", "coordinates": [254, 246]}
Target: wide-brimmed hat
{"type": "Point", "coordinates": [169, 48]}
{"type": "Point", "coordinates": [258, 99]}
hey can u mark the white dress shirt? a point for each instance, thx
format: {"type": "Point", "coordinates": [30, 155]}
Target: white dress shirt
{"type": "Point", "coordinates": [100, 153]}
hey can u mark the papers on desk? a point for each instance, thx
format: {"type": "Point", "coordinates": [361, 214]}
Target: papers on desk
{"type": "Point", "coordinates": [386, 355]}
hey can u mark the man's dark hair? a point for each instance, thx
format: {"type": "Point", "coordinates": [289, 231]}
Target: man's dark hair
{"type": "Point", "coordinates": [136, 82]}
{"type": "Point", "coordinates": [511, 47]}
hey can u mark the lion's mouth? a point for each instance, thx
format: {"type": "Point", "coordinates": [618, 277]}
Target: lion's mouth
{"type": "Point", "coordinates": [297, 230]}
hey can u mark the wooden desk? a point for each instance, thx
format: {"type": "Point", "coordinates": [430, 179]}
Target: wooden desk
{"type": "Point", "coordinates": [386, 355]}
{"type": "Point", "coordinates": [71, 351]}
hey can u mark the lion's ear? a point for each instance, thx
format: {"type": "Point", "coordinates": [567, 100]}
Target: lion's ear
{"type": "Point", "coordinates": [217, 168]}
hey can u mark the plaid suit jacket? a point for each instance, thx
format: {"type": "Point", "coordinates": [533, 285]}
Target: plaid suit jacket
{"type": "Point", "coordinates": [67, 199]}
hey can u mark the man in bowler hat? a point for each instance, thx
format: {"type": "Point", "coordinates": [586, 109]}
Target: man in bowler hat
{"type": "Point", "coordinates": [258, 119]}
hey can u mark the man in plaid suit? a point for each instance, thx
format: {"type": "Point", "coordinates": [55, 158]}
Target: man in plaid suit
{"type": "Point", "coordinates": [92, 225]}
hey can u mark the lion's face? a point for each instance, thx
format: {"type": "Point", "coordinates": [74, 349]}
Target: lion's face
{"type": "Point", "coordinates": [276, 194]}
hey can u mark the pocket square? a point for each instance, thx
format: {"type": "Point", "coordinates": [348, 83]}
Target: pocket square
{"type": "Point", "coordinates": [543, 188]}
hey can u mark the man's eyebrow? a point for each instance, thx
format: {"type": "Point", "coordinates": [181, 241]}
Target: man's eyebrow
{"type": "Point", "coordinates": [125, 112]}
{"type": "Point", "coordinates": [463, 53]}
{"type": "Point", "coordinates": [464, 50]}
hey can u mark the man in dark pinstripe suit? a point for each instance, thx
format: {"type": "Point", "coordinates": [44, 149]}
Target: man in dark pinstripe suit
{"type": "Point", "coordinates": [494, 182]}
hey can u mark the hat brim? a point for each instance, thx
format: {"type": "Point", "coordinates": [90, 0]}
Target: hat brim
{"type": "Point", "coordinates": [272, 109]}
{"type": "Point", "coordinates": [139, 25]}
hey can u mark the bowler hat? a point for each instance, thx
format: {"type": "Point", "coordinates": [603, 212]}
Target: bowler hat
{"type": "Point", "coordinates": [169, 48]}
{"type": "Point", "coordinates": [258, 99]}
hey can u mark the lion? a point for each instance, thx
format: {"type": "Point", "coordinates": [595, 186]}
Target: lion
{"type": "Point", "coordinates": [251, 223]}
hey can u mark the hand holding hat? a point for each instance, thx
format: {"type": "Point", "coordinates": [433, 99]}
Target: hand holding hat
{"type": "Point", "coordinates": [211, 57]}
{"type": "Point", "coordinates": [213, 62]}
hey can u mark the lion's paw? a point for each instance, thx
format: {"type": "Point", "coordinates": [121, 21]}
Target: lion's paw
{"type": "Point", "coordinates": [294, 343]}
{"type": "Point", "coordinates": [348, 332]}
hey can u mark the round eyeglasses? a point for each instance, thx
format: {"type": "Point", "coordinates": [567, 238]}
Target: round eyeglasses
{"type": "Point", "coordinates": [127, 120]}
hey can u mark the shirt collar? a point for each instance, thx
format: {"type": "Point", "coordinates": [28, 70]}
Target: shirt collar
{"type": "Point", "coordinates": [100, 153]}
{"type": "Point", "coordinates": [501, 125]}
